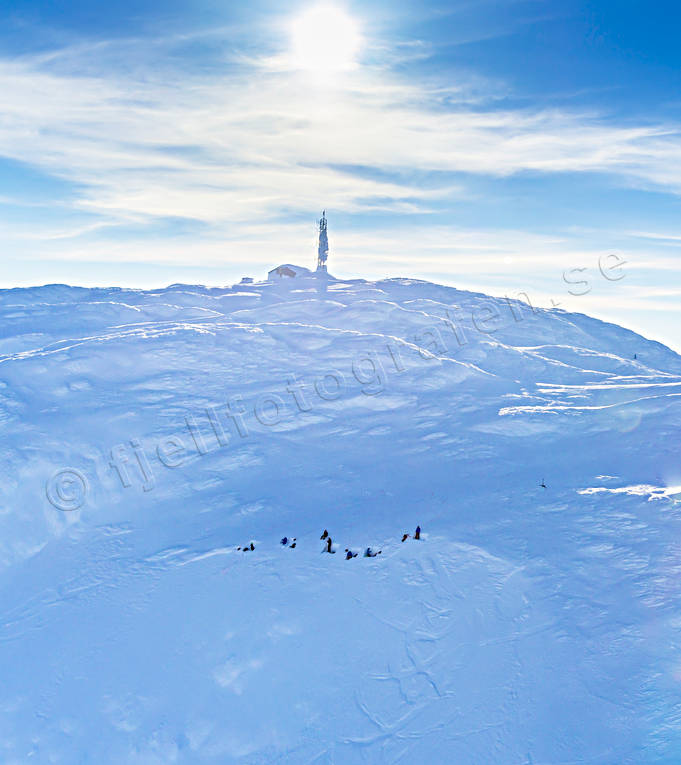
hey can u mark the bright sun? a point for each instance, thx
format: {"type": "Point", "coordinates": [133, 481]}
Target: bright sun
{"type": "Point", "coordinates": [325, 39]}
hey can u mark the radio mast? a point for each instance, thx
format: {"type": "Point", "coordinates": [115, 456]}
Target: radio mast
{"type": "Point", "coordinates": [323, 249]}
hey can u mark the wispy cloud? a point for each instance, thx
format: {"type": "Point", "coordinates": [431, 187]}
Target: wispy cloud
{"type": "Point", "coordinates": [672, 239]}
{"type": "Point", "coordinates": [147, 143]}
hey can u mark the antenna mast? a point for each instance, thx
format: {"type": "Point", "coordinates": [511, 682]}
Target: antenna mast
{"type": "Point", "coordinates": [323, 249]}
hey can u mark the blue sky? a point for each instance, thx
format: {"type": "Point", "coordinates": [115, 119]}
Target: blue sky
{"type": "Point", "coordinates": [493, 146]}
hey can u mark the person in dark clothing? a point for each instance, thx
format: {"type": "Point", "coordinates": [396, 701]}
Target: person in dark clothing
{"type": "Point", "coordinates": [369, 553]}
{"type": "Point", "coordinates": [328, 544]}
{"type": "Point", "coordinates": [324, 535]}
{"type": "Point", "coordinates": [405, 536]}
{"type": "Point", "coordinates": [293, 544]}
{"type": "Point", "coordinates": [349, 554]}
{"type": "Point", "coordinates": [284, 541]}
{"type": "Point", "coordinates": [417, 533]}
{"type": "Point", "coordinates": [252, 546]}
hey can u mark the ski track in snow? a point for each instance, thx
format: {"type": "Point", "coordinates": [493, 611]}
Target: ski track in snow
{"type": "Point", "coordinates": [529, 625]}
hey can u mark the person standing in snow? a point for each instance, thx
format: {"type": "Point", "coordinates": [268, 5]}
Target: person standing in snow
{"type": "Point", "coordinates": [417, 533]}
{"type": "Point", "coordinates": [328, 545]}
{"type": "Point", "coordinates": [324, 535]}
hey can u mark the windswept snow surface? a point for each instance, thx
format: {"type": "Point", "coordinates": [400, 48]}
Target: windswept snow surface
{"type": "Point", "coordinates": [147, 435]}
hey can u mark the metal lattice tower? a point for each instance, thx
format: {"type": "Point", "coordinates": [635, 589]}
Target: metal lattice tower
{"type": "Point", "coordinates": [323, 249]}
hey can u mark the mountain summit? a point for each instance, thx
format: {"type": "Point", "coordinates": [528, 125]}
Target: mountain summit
{"type": "Point", "coordinates": [159, 446]}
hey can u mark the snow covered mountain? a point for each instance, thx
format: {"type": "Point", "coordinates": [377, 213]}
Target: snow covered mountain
{"type": "Point", "coordinates": [148, 435]}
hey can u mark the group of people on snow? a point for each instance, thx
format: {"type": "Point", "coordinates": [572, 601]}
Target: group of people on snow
{"type": "Point", "coordinates": [417, 534]}
{"type": "Point", "coordinates": [349, 554]}
{"type": "Point", "coordinates": [328, 545]}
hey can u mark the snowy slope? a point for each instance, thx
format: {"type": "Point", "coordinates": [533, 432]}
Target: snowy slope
{"type": "Point", "coordinates": [529, 625]}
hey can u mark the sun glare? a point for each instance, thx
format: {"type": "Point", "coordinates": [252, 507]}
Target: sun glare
{"type": "Point", "coordinates": [325, 39]}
